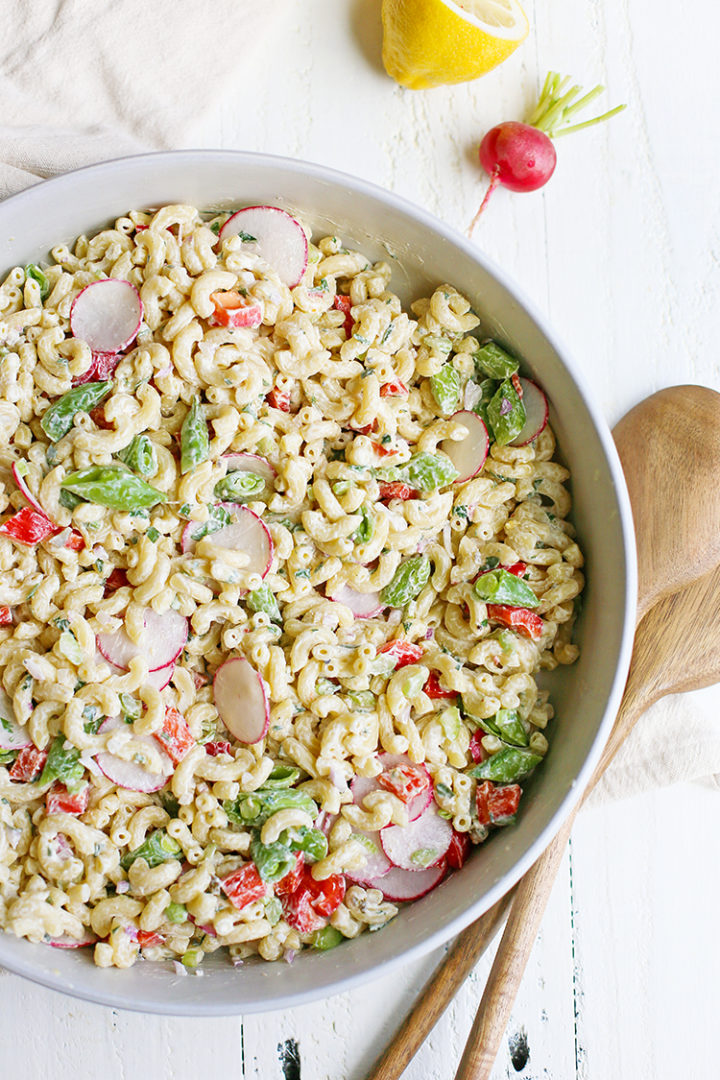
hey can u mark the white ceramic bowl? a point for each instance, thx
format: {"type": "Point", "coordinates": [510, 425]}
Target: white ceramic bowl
{"type": "Point", "coordinates": [424, 253]}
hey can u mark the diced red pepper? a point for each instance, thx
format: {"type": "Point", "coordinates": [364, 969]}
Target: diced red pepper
{"type": "Point", "coordinates": [477, 751]}
{"type": "Point", "coordinates": [405, 781]}
{"type": "Point", "coordinates": [402, 652]}
{"type": "Point", "coordinates": [293, 879]}
{"type": "Point", "coordinates": [396, 490]}
{"type": "Point", "coordinates": [383, 451]}
{"type": "Point", "coordinates": [116, 579]}
{"type": "Point", "coordinates": [523, 620]}
{"type": "Point", "coordinates": [518, 569]}
{"type": "Point", "coordinates": [29, 527]}
{"type": "Point", "coordinates": [515, 380]}
{"type": "Point", "coordinates": [244, 886]}
{"type": "Point", "coordinates": [494, 804]}
{"type": "Point", "coordinates": [234, 310]}
{"type": "Point", "coordinates": [344, 304]}
{"type": "Point", "coordinates": [59, 800]}
{"type": "Point", "coordinates": [175, 736]}
{"type": "Point", "coordinates": [312, 901]}
{"type": "Point", "coordinates": [97, 415]}
{"type": "Point", "coordinates": [215, 748]}
{"type": "Point", "coordinates": [75, 541]}
{"type": "Point", "coordinates": [434, 690]}
{"type": "Point", "coordinates": [394, 388]}
{"type": "Point", "coordinates": [278, 399]}
{"type": "Point", "coordinates": [28, 765]}
{"type": "Point", "coordinates": [459, 849]}
{"type": "Point", "coordinates": [364, 430]}
{"type": "Point", "coordinates": [5, 616]}
{"type": "Point", "coordinates": [146, 939]}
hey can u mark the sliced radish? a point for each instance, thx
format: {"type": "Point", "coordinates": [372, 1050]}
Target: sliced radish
{"type": "Point", "coordinates": [536, 412]}
{"type": "Point", "coordinates": [107, 315]}
{"type": "Point", "coordinates": [162, 641]}
{"type": "Point", "coordinates": [13, 736]}
{"type": "Point", "coordinates": [246, 532]}
{"type": "Point", "coordinates": [131, 774]}
{"type": "Point", "coordinates": [22, 484]}
{"type": "Point", "coordinates": [402, 885]}
{"type": "Point", "coordinates": [277, 237]}
{"type": "Point", "coordinates": [65, 941]}
{"type": "Point", "coordinates": [377, 863]}
{"type": "Point", "coordinates": [159, 678]}
{"type": "Point", "coordinates": [241, 701]}
{"type": "Point", "coordinates": [362, 605]}
{"type": "Point", "coordinates": [420, 844]}
{"type": "Point", "coordinates": [467, 455]}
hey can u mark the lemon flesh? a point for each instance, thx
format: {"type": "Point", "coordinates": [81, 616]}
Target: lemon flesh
{"type": "Point", "coordinates": [435, 42]}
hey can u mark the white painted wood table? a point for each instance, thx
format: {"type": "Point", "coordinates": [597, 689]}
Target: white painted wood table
{"type": "Point", "coordinates": [618, 251]}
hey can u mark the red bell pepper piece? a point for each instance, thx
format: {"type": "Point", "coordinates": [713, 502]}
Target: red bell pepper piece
{"type": "Point", "coordinates": [402, 652]}
{"type": "Point", "coordinates": [234, 310]}
{"type": "Point", "coordinates": [518, 569]}
{"type": "Point", "coordinates": [394, 388]}
{"type": "Point", "coordinates": [146, 939]}
{"type": "Point", "coordinates": [175, 736]}
{"type": "Point", "coordinates": [97, 415]}
{"type": "Point", "coordinates": [5, 616]}
{"type": "Point", "coordinates": [278, 399]}
{"type": "Point", "coordinates": [75, 541]}
{"type": "Point", "coordinates": [215, 748]}
{"type": "Point", "coordinates": [396, 490]}
{"type": "Point", "coordinates": [523, 620]}
{"type": "Point", "coordinates": [496, 804]}
{"type": "Point", "coordinates": [243, 886]}
{"type": "Point", "coordinates": [29, 527]}
{"type": "Point", "coordinates": [344, 304]}
{"type": "Point", "coordinates": [405, 781]}
{"type": "Point", "coordinates": [459, 849]}
{"type": "Point", "coordinates": [383, 451]}
{"type": "Point", "coordinates": [59, 800]}
{"type": "Point", "coordinates": [434, 690]}
{"type": "Point", "coordinates": [116, 579]}
{"type": "Point", "coordinates": [28, 765]}
{"type": "Point", "coordinates": [293, 879]}
{"type": "Point", "coordinates": [312, 901]}
{"type": "Point", "coordinates": [477, 751]}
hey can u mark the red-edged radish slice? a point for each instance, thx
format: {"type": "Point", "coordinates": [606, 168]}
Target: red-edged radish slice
{"type": "Point", "coordinates": [362, 605]}
{"type": "Point", "coordinates": [420, 844]}
{"type": "Point", "coordinates": [107, 315]}
{"type": "Point", "coordinates": [241, 701]}
{"type": "Point", "coordinates": [13, 736]}
{"type": "Point", "coordinates": [162, 641]}
{"type": "Point", "coordinates": [467, 455]}
{"type": "Point", "coordinates": [247, 533]}
{"type": "Point", "coordinates": [536, 412]}
{"type": "Point", "coordinates": [131, 774]}
{"type": "Point", "coordinates": [65, 941]}
{"type": "Point", "coordinates": [402, 885]}
{"type": "Point", "coordinates": [102, 366]}
{"type": "Point", "coordinates": [159, 678]}
{"type": "Point", "coordinates": [22, 484]}
{"type": "Point", "coordinates": [279, 239]}
{"type": "Point", "coordinates": [377, 863]}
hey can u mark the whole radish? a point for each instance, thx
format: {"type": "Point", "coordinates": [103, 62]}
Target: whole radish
{"type": "Point", "coordinates": [521, 156]}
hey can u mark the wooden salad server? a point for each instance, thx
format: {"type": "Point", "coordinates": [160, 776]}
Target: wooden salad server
{"type": "Point", "coordinates": [669, 446]}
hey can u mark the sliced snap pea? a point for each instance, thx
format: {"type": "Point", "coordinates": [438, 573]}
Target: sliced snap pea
{"type": "Point", "coordinates": [445, 386]}
{"type": "Point", "coordinates": [506, 413]}
{"type": "Point", "coordinates": [492, 360]}
{"type": "Point", "coordinates": [508, 765]}
{"type": "Point", "coordinates": [428, 472]}
{"type": "Point", "coordinates": [283, 776]}
{"type": "Point", "coordinates": [510, 727]}
{"type": "Point", "coordinates": [112, 486]}
{"type": "Point", "coordinates": [58, 419]}
{"type": "Point", "coordinates": [194, 438]}
{"type": "Point", "coordinates": [273, 861]}
{"type": "Point", "coordinates": [240, 486]}
{"type": "Point", "coordinates": [327, 937]}
{"type": "Point", "coordinates": [263, 599]}
{"type": "Point", "coordinates": [311, 842]}
{"type": "Point", "coordinates": [365, 530]}
{"type": "Point", "coordinates": [409, 580]}
{"type": "Point", "coordinates": [218, 517]}
{"type": "Point", "coordinates": [63, 765]}
{"type": "Point", "coordinates": [140, 456]}
{"type": "Point", "coordinates": [499, 587]}
{"type": "Point", "coordinates": [33, 271]}
{"type": "Point", "coordinates": [158, 847]}
{"type": "Point", "coordinates": [255, 807]}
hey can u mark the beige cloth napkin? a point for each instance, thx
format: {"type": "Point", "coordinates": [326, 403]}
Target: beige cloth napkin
{"type": "Point", "coordinates": [85, 80]}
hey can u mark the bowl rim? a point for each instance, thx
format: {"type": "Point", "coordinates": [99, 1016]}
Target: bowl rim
{"type": "Point", "coordinates": [202, 1007]}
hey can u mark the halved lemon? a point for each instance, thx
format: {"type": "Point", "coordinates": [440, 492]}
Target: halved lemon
{"type": "Point", "coordinates": [435, 42]}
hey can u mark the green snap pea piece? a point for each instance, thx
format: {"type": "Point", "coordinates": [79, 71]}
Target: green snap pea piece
{"type": "Point", "coordinates": [33, 271]}
{"type": "Point", "coordinates": [510, 727]}
{"type": "Point", "coordinates": [273, 861]}
{"type": "Point", "coordinates": [218, 517]}
{"type": "Point", "coordinates": [263, 599]}
{"type": "Point", "coordinates": [273, 910]}
{"type": "Point", "coordinates": [157, 848]}
{"type": "Point", "coordinates": [500, 587]}
{"type": "Point", "coordinates": [176, 913]}
{"type": "Point", "coordinates": [131, 707]}
{"type": "Point", "coordinates": [311, 842]}
{"type": "Point", "coordinates": [327, 937]}
{"type": "Point", "coordinates": [140, 456]}
{"type": "Point", "coordinates": [506, 413]}
{"type": "Point", "coordinates": [240, 486]}
{"type": "Point", "coordinates": [508, 765]}
{"type": "Point", "coordinates": [112, 486]}
{"type": "Point", "coordinates": [58, 419]}
{"type": "Point", "coordinates": [445, 386]}
{"type": "Point", "coordinates": [253, 808]}
{"type": "Point", "coordinates": [63, 765]}
{"type": "Point", "coordinates": [493, 361]}
{"type": "Point", "coordinates": [365, 530]}
{"type": "Point", "coordinates": [283, 776]}
{"type": "Point", "coordinates": [194, 438]}
{"type": "Point", "coordinates": [411, 577]}
{"type": "Point", "coordinates": [428, 472]}
{"type": "Point", "coordinates": [7, 756]}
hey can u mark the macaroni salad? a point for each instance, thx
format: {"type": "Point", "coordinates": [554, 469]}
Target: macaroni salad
{"type": "Point", "coordinates": [279, 564]}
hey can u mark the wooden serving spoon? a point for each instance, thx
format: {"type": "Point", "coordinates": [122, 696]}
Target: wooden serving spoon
{"type": "Point", "coordinates": [670, 557]}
